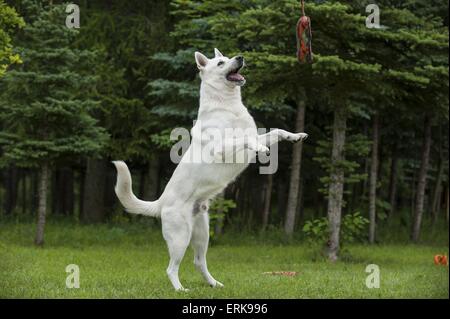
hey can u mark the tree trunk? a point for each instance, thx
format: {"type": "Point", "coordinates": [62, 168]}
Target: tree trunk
{"type": "Point", "coordinates": [42, 209]}
{"type": "Point", "coordinates": [393, 181]}
{"type": "Point", "coordinates": [82, 178]}
{"type": "Point", "coordinates": [295, 170]}
{"type": "Point", "coordinates": [11, 189]}
{"type": "Point", "coordinates": [281, 195]}
{"type": "Point", "coordinates": [34, 191]}
{"type": "Point", "coordinates": [62, 191]}
{"type": "Point", "coordinates": [437, 191]}
{"type": "Point", "coordinates": [447, 204]}
{"type": "Point", "coordinates": [267, 201]}
{"type": "Point", "coordinates": [254, 200]}
{"type": "Point", "coordinates": [69, 189]}
{"type": "Point", "coordinates": [438, 185]}
{"type": "Point", "coordinates": [365, 181]}
{"type": "Point", "coordinates": [94, 191]}
{"type": "Point", "coordinates": [336, 187]}
{"type": "Point", "coordinates": [300, 204]}
{"type": "Point", "coordinates": [55, 192]}
{"type": "Point", "coordinates": [151, 180]}
{"type": "Point", "coordinates": [317, 201]}
{"type": "Point", "coordinates": [110, 197]}
{"type": "Point", "coordinates": [373, 178]}
{"type": "Point", "coordinates": [422, 181]}
{"type": "Point", "coordinates": [413, 191]}
{"type": "Point", "coordinates": [24, 192]}
{"type": "Point", "coordinates": [381, 160]}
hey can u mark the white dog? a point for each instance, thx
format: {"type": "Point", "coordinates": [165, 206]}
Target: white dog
{"type": "Point", "coordinates": [183, 206]}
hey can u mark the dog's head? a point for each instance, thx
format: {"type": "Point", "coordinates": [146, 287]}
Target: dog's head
{"type": "Point", "coordinates": [220, 71]}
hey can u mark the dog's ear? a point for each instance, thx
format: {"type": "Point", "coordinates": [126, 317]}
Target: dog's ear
{"type": "Point", "coordinates": [218, 53]}
{"type": "Point", "coordinates": [201, 60]}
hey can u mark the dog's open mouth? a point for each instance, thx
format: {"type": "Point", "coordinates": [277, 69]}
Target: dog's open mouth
{"type": "Point", "coordinates": [235, 76]}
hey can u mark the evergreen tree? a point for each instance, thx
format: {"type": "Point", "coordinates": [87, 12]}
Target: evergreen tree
{"type": "Point", "coordinates": [128, 34]}
{"type": "Point", "coordinates": [45, 106]}
{"type": "Point", "coordinates": [9, 21]}
{"type": "Point", "coordinates": [352, 75]}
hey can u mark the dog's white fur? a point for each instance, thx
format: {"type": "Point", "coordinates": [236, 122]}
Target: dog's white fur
{"type": "Point", "coordinates": [183, 206]}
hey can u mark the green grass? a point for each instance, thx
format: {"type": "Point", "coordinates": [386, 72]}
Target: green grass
{"type": "Point", "coordinates": [129, 261]}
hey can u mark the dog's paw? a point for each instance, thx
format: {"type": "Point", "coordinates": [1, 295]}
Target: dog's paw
{"type": "Point", "coordinates": [255, 146]}
{"type": "Point", "coordinates": [182, 289]}
{"type": "Point", "coordinates": [297, 137]}
{"type": "Point", "coordinates": [217, 284]}
{"type": "Point", "coordinates": [262, 148]}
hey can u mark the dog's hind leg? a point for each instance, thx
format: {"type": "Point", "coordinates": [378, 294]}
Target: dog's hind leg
{"type": "Point", "coordinates": [177, 230]}
{"type": "Point", "coordinates": [200, 239]}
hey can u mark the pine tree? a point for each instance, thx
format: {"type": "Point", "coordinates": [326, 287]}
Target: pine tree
{"type": "Point", "coordinates": [128, 34]}
{"type": "Point", "coordinates": [45, 106]}
{"type": "Point", "coordinates": [9, 21]}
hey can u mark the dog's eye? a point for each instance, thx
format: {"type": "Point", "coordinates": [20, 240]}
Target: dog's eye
{"type": "Point", "coordinates": [220, 63]}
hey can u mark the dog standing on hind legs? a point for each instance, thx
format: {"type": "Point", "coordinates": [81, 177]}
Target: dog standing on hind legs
{"type": "Point", "coordinates": [183, 206]}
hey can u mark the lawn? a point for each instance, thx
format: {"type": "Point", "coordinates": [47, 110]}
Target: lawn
{"type": "Point", "coordinates": [129, 261]}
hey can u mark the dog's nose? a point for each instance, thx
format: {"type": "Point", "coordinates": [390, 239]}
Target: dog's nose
{"type": "Point", "coordinates": [240, 58]}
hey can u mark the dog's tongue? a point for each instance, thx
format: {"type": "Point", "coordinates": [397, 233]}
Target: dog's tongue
{"type": "Point", "coordinates": [235, 77]}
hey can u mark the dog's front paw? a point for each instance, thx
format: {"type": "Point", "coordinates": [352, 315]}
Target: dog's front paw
{"type": "Point", "coordinates": [182, 289]}
{"type": "Point", "coordinates": [298, 137]}
{"type": "Point", "coordinates": [255, 146]}
{"type": "Point", "coordinates": [262, 148]}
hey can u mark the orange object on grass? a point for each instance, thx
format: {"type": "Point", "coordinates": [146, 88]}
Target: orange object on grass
{"type": "Point", "coordinates": [441, 260]}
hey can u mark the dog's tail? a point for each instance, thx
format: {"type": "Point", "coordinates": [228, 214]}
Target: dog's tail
{"type": "Point", "coordinates": [125, 194]}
